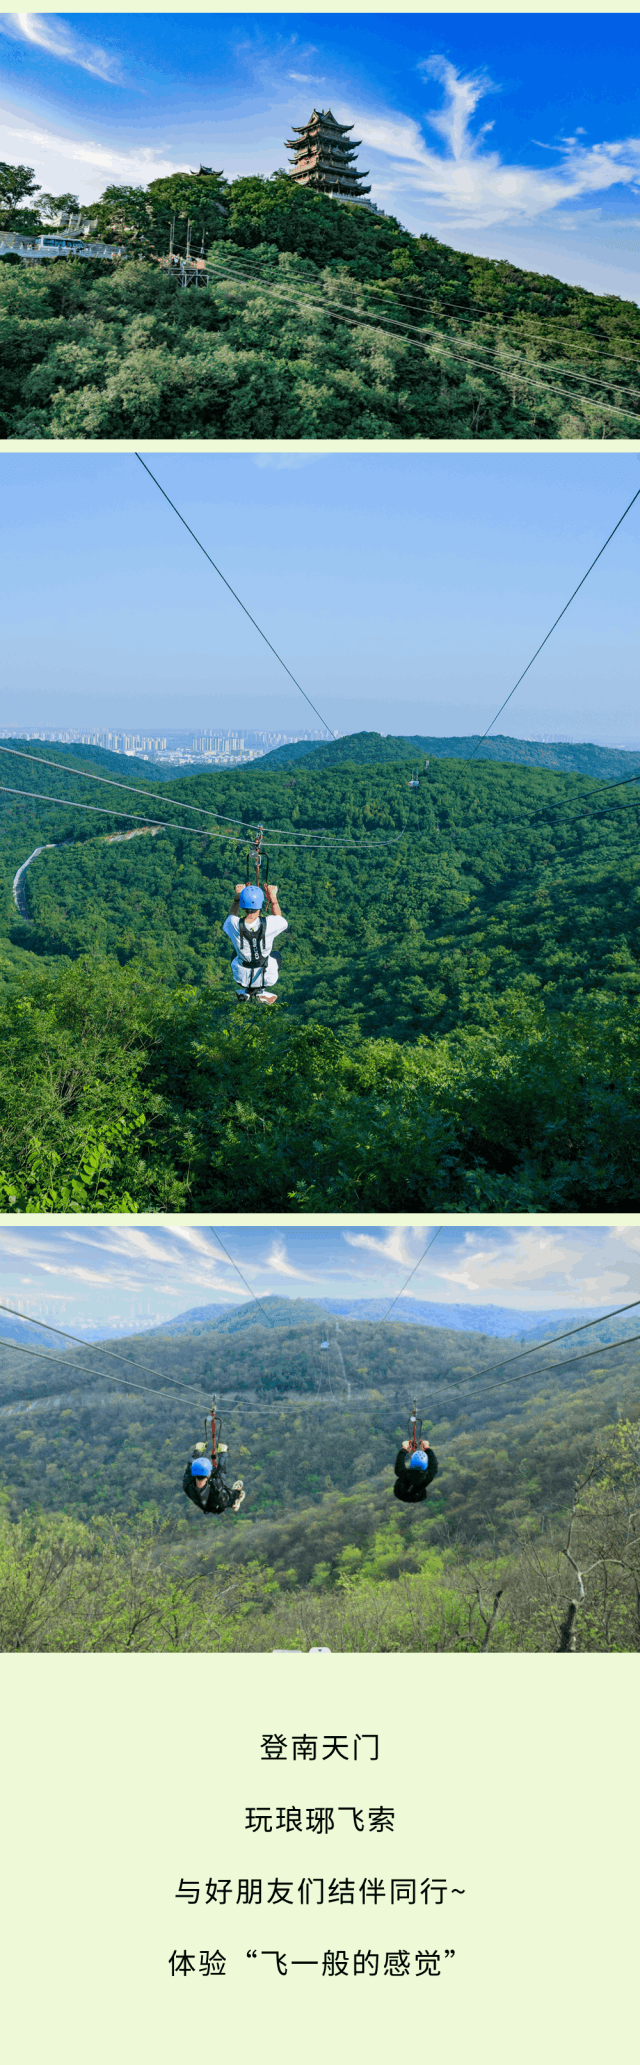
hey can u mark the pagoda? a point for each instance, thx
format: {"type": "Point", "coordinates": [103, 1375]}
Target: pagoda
{"type": "Point", "coordinates": [323, 158]}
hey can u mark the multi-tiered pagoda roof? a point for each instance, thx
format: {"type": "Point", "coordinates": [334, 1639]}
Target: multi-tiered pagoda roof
{"type": "Point", "coordinates": [324, 157]}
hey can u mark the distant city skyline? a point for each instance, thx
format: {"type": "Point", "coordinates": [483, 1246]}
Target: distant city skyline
{"type": "Point", "coordinates": [405, 591]}
{"type": "Point", "coordinates": [231, 748]}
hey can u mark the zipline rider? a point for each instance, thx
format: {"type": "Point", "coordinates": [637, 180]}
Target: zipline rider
{"type": "Point", "coordinates": [415, 1469]}
{"type": "Point", "coordinates": [207, 1486]}
{"type": "Point", "coordinates": [255, 969]}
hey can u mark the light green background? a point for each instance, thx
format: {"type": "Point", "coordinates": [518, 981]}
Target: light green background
{"type": "Point", "coordinates": [515, 1777]}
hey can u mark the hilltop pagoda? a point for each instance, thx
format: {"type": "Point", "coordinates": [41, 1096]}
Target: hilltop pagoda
{"type": "Point", "coordinates": [323, 158]}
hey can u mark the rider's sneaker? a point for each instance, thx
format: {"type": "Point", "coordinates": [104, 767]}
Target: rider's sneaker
{"type": "Point", "coordinates": [266, 996]}
{"type": "Point", "coordinates": [238, 1502]}
{"type": "Point", "coordinates": [238, 1484]}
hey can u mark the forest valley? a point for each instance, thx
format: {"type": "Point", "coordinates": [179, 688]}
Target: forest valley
{"type": "Point", "coordinates": [457, 1017]}
{"type": "Point", "coordinates": [317, 320]}
{"type": "Point", "coordinates": [529, 1538]}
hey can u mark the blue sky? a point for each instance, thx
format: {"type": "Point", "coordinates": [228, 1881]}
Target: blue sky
{"type": "Point", "coordinates": [121, 1275]}
{"type": "Point", "coordinates": [406, 592]}
{"type": "Point", "coordinates": [513, 136]}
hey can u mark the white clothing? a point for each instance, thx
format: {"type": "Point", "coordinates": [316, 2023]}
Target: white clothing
{"type": "Point", "coordinates": [241, 974]}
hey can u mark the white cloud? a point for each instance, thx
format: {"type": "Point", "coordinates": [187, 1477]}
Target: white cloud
{"type": "Point", "coordinates": [533, 1268]}
{"type": "Point", "coordinates": [467, 183]}
{"type": "Point", "coordinates": [59, 159]}
{"type": "Point", "coordinates": [391, 1247]}
{"type": "Point", "coordinates": [50, 33]}
{"type": "Point", "coordinates": [278, 1260]}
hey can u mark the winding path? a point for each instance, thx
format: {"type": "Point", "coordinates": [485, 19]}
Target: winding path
{"type": "Point", "coordinates": [108, 839]}
{"type": "Point", "coordinates": [19, 889]}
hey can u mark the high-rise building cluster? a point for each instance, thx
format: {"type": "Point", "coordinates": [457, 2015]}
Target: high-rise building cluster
{"type": "Point", "coordinates": [217, 748]}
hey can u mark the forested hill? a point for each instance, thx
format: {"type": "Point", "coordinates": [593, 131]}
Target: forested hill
{"type": "Point", "coordinates": [354, 749]}
{"type": "Point", "coordinates": [368, 748]}
{"type": "Point", "coordinates": [314, 1435]}
{"type": "Point", "coordinates": [100, 1550]}
{"type": "Point", "coordinates": [318, 321]}
{"type": "Point", "coordinates": [457, 1020]}
{"type": "Point", "coordinates": [122, 766]}
{"type": "Point", "coordinates": [495, 1320]}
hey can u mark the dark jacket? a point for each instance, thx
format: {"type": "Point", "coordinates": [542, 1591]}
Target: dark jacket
{"type": "Point", "coordinates": [412, 1485]}
{"type": "Point", "coordinates": [218, 1494]}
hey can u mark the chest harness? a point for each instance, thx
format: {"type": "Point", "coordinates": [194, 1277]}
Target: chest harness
{"type": "Point", "coordinates": [254, 937]}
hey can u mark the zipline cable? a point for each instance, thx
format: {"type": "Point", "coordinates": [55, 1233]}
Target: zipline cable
{"type": "Point", "coordinates": [568, 1361]}
{"type": "Point", "coordinates": [400, 1293]}
{"type": "Point", "coordinates": [232, 591]}
{"type": "Point", "coordinates": [235, 1265]}
{"type": "Point", "coordinates": [64, 1336]}
{"type": "Point", "coordinates": [360, 316]}
{"type": "Point", "coordinates": [178, 802]}
{"type": "Point", "coordinates": [555, 1339]}
{"type": "Point", "coordinates": [257, 276]}
{"type": "Point", "coordinates": [558, 619]}
{"type": "Point", "coordinates": [198, 831]}
{"type": "Point", "coordinates": [99, 1376]}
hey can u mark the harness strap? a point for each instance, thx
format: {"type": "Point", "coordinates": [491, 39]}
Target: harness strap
{"type": "Point", "coordinates": [259, 956]}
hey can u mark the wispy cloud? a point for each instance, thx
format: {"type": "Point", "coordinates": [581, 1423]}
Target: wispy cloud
{"type": "Point", "coordinates": [50, 33]}
{"type": "Point", "coordinates": [466, 182]}
{"type": "Point", "coordinates": [102, 164]}
{"type": "Point", "coordinates": [394, 1246]}
{"type": "Point", "coordinates": [548, 1266]}
{"type": "Point", "coordinates": [279, 1261]}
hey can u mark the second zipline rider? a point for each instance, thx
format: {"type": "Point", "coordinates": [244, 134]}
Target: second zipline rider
{"type": "Point", "coordinates": [252, 930]}
{"type": "Point", "coordinates": [206, 1485]}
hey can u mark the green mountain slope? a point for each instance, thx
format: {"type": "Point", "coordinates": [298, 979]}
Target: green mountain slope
{"type": "Point", "coordinates": [457, 1018]}
{"type": "Point", "coordinates": [99, 1550]}
{"type": "Point", "coordinates": [367, 748]}
{"type": "Point", "coordinates": [309, 1420]}
{"type": "Point", "coordinates": [318, 321]}
{"type": "Point", "coordinates": [485, 879]}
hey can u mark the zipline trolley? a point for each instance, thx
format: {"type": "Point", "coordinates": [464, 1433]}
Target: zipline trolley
{"type": "Point", "coordinates": [415, 1429]}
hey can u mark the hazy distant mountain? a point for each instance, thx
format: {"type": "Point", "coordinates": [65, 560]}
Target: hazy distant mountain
{"type": "Point", "coordinates": [321, 1314]}
{"type": "Point", "coordinates": [275, 1311]}
{"type": "Point", "coordinates": [194, 1321]}
{"type": "Point", "coordinates": [479, 1319]}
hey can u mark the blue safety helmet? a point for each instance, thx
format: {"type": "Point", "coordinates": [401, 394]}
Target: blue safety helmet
{"type": "Point", "coordinates": [201, 1467]}
{"type": "Point", "coordinates": [251, 898]}
{"type": "Point", "coordinates": [418, 1460]}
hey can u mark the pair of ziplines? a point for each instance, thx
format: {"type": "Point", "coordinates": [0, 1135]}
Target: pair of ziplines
{"type": "Point", "coordinates": [236, 831]}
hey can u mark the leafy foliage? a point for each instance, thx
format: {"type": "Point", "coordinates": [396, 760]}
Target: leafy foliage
{"type": "Point", "coordinates": [457, 1025]}
{"type": "Point", "coordinates": [320, 320]}
{"type": "Point", "coordinates": [378, 1582]}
